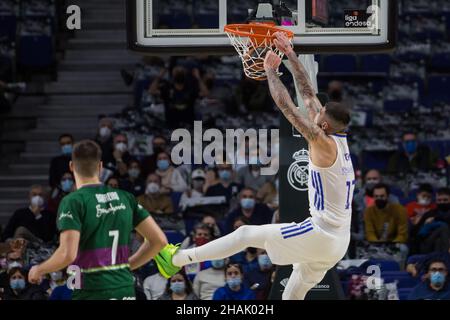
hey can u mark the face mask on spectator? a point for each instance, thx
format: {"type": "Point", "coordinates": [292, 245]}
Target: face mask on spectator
{"type": "Point", "coordinates": [443, 207]}
{"type": "Point", "coordinates": [66, 149]}
{"type": "Point", "coordinates": [177, 287]}
{"type": "Point", "coordinates": [66, 185]}
{"type": "Point", "coordinates": [134, 173]}
{"type": "Point", "coordinates": [37, 201]}
{"type": "Point", "coordinates": [225, 175]}
{"type": "Point", "coordinates": [218, 264]}
{"type": "Point", "coordinates": [264, 261]}
{"type": "Point", "coordinates": [163, 164]}
{"type": "Point", "coordinates": [105, 132]}
{"type": "Point", "coordinates": [152, 188]}
{"type": "Point", "coordinates": [423, 201]}
{"type": "Point", "coordinates": [247, 203]}
{"type": "Point", "coordinates": [198, 184]}
{"type": "Point", "coordinates": [381, 203]}
{"type": "Point", "coordinates": [370, 183]}
{"type": "Point", "coordinates": [199, 241]}
{"type": "Point", "coordinates": [56, 276]}
{"type": "Point", "coordinates": [121, 146]}
{"type": "Point", "coordinates": [17, 284]}
{"type": "Point", "coordinates": [410, 146]}
{"type": "Point", "coordinates": [437, 279]}
{"type": "Point", "coordinates": [234, 282]}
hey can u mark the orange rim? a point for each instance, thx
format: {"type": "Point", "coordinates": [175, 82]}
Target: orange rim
{"type": "Point", "coordinates": [256, 31]}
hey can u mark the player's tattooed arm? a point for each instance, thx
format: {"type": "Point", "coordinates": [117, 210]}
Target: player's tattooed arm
{"type": "Point", "coordinates": [281, 96]}
{"type": "Point", "coordinates": [304, 85]}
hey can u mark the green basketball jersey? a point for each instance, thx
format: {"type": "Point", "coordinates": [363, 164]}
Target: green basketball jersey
{"type": "Point", "coordinates": [105, 218]}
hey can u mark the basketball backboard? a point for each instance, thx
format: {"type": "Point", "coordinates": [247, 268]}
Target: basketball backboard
{"type": "Point", "coordinates": [194, 26]}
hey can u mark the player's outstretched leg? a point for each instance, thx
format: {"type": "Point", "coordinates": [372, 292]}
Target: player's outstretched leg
{"type": "Point", "coordinates": [303, 278]}
{"type": "Point", "coordinates": [170, 259]}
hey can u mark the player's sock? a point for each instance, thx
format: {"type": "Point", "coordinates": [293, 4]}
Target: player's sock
{"type": "Point", "coordinates": [224, 247]}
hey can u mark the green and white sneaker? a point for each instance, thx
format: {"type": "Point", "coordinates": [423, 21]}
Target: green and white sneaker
{"type": "Point", "coordinates": [164, 261]}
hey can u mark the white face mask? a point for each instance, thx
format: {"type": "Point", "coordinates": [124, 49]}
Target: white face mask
{"type": "Point", "coordinates": [37, 201]}
{"type": "Point", "coordinates": [423, 201]}
{"type": "Point", "coordinates": [105, 132]}
{"type": "Point", "coordinates": [152, 188]}
{"type": "Point", "coordinates": [121, 146]}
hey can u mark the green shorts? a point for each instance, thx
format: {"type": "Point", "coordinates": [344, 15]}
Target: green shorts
{"type": "Point", "coordinates": [124, 293]}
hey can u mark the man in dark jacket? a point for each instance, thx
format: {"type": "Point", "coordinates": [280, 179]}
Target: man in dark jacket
{"type": "Point", "coordinates": [60, 164]}
{"type": "Point", "coordinates": [435, 286]}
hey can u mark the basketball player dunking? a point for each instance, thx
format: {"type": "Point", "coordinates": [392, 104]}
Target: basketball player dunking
{"type": "Point", "coordinates": [318, 243]}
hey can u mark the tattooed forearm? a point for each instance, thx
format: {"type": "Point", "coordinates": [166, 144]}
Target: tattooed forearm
{"type": "Point", "coordinates": [304, 84]}
{"type": "Point", "coordinates": [284, 102]}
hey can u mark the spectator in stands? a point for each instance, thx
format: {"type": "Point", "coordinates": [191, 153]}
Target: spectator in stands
{"type": "Point", "coordinates": [104, 139]}
{"type": "Point", "coordinates": [234, 289]}
{"type": "Point", "coordinates": [201, 235]}
{"type": "Point", "coordinates": [65, 187]}
{"type": "Point", "coordinates": [12, 245]}
{"type": "Point", "coordinates": [259, 279]}
{"type": "Point", "coordinates": [159, 144]}
{"type": "Point", "coordinates": [13, 259]}
{"type": "Point", "coordinates": [154, 201]}
{"type": "Point", "coordinates": [59, 289]}
{"type": "Point", "coordinates": [417, 265]}
{"type": "Point", "coordinates": [113, 182]}
{"type": "Point", "coordinates": [386, 223]}
{"type": "Point", "coordinates": [133, 182]}
{"type": "Point", "coordinates": [250, 175]}
{"type": "Point", "coordinates": [364, 199]}
{"type": "Point", "coordinates": [60, 164]}
{"type": "Point", "coordinates": [20, 289]}
{"type": "Point", "coordinates": [225, 187]}
{"type": "Point", "coordinates": [207, 281]}
{"type": "Point", "coordinates": [198, 178]}
{"type": "Point", "coordinates": [239, 222]}
{"type": "Point", "coordinates": [34, 223]}
{"type": "Point", "coordinates": [171, 178]}
{"type": "Point", "coordinates": [248, 259]}
{"type": "Point", "coordinates": [436, 284]}
{"type": "Point", "coordinates": [268, 194]}
{"type": "Point", "coordinates": [179, 288]}
{"type": "Point", "coordinates": [256, 213]}
{"type": "Point", "coordinates": [121, 156]}
{"type": "Point", "coordinates": [412, 156]}
{"type": "Point", "coordinates": [211, 222]}
{"type": "Point", "coordinates": [432, 231]}
{"type": "Point", "coordinates": [178, 95]}
{"type": "Point", "coordinates": [424, 203]}
{"type": "Point", "coordinates": [154, 286]}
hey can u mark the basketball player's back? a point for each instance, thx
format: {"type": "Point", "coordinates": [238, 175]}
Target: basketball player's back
{"type": "Point", "coordinates": [331, 189]}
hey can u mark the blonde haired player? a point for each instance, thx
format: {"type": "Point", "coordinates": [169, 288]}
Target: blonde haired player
{"type": "Point", "coordinates": [318, 243]}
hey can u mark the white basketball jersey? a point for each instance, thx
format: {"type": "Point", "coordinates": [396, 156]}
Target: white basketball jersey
{"type": "Point", "coordinates": [330, 190]}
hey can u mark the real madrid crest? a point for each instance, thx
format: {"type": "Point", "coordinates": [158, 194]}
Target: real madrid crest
{"type": "Point", "coordinates": [297, 174]}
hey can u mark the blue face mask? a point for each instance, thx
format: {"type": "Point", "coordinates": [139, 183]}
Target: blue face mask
{"type": "Point", "coordinates": [234, 283]}
{"type": "Point", "coordinates": [247, 203]}
{"type": "Point", "coordinates": [410, 146]}
{"type": "Point", "coordinates": [163, 165]}
{"type": "Point", "coordinates": [264, 261]}
{"type": "Point", "coordinates": [17, 284]}
{"type": "Point", "coordinates": [66, 149]}
{"type": "Point", "coordinates": [218, 264]}
{"type": "Point", "coordinates": [437, 278]}
{"type": "Point", "coordinates": [66, 185]}
{"type": "Point", "coordinates": [177, 287]}
{"type": "Point", "coordinates": [225, 175]}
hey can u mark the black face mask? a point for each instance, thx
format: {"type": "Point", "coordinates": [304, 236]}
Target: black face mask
{"type": "Point", "coordinates": [380, 203]}
{"type": "Point", "coordinates": [443, 207]}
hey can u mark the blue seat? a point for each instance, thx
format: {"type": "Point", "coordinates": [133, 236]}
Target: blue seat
{"type": "Point", "coordinates": [35, 51]}
{"type": "Point", "coordinates": [404, 293]}
{"type": "Point", "coordinates": [394, 106]}
{"type": "Point", "coordinates": [174, 236]}
{"type": "Point", "coordinates": [176, 197]}
{"type": "Point", "coordinates": [340, 63]}
{"type": "Point", "coordinates": [376, 63]}
{"type": "Point", "coordinates": [207, 20]}
{"type": "Point", "coordinates": [441, 60]}
{"type": "Point", "coordinates": [438, 87]}
{"type": "Point", "coordinates": [404, 279]}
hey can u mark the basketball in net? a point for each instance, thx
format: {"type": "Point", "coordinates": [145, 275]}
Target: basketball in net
{"type": "Point", "coordinates": [252, 42]}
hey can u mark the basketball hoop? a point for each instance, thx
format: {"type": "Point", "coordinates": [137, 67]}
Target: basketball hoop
{"type": "Point", "coordinates": [252, 41]}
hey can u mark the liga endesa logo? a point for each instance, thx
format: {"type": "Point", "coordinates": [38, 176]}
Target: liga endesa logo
{"type": "Point", "coordinates": [230, 147]}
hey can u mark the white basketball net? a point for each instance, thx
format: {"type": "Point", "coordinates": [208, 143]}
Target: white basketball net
{"type": "Point", "coordinates": [253, 52]}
